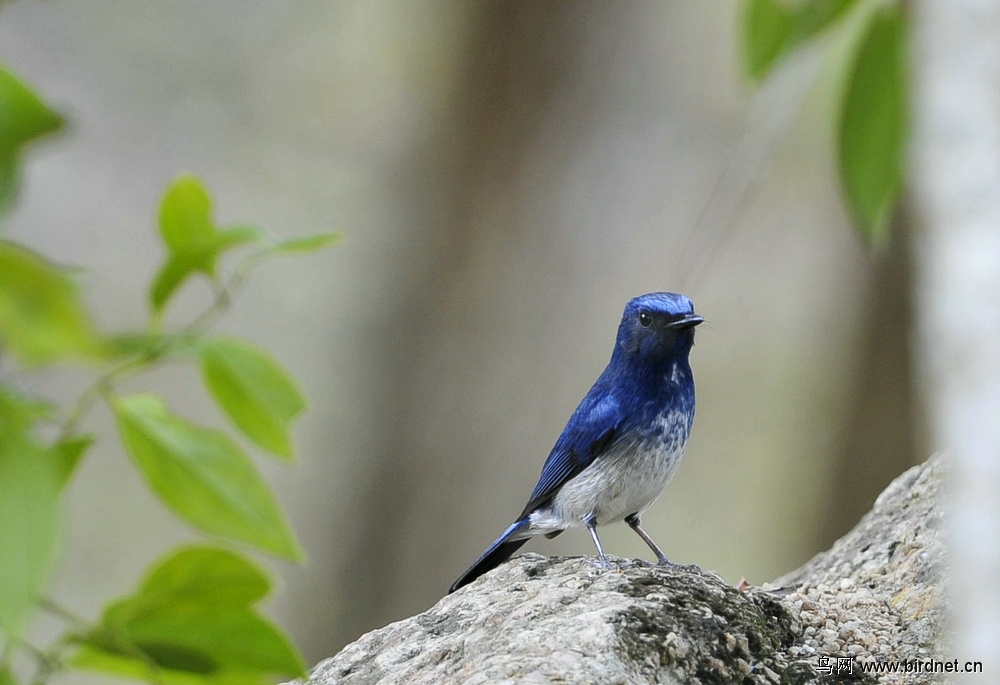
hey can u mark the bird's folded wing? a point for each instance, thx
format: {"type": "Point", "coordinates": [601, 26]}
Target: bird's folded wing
{"type": "Point", "coordinates": [591, 428]}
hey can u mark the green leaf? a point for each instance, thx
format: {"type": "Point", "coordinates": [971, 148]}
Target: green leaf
{"type": "Point", "coordinates": [104, 656]}
{"type": "Point", "coordinates": [193, 616]}
{"type": "Point", "coordinates": [207, 638]}
{"type": "Point", "coordinates": [28, 509]}
{"type": "Point", "coordinates": [814, 16]}
{"type": "Point", "coordinates": [234, 236]}
{"type": "Point", "coordinates": [42, 317]}
{"type": "Point", "coordinates": [209, 576]}
{"type": "Point", "coordinates": [185, 220]}
{"type": "Point", "coordinates": [168, 279]}
{"type": "Point", "coordinates": [28, 525]}
{"type": "Point", "coordinates": [306, 244]}
{"type": "Point", "coordinates": [23, 118]}
{"type": "Point", "coordinates": [254, 390]}
{"type": "Point", "coordinates": [68, 453]}
{"type": "Point", "coordinates": [7, 676]}
{"type": "Point", "coordinates": [193, 240]}
{"type": "Point", "coordinates": [772, 28]}
{"type": "Point", "coordinates": [185, 215]}
{"type": "Point", "coordinates": [872, 131]}
{"type": "Point", "coordinates": [19, 413]}
{"type": "Point", "coordinates": [10, 180]}
{"type": "Point", "coordinates": [767, 26]}
{"type": "Point", "coordinates": [202, 476]}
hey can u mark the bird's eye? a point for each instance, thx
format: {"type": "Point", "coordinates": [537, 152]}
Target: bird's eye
{"type": "Point", "coordinates": [645, 320]}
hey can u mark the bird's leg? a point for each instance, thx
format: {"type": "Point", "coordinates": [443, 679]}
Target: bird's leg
{"type": "Point", "coordinates": [592, 527]}
{"type": "Point", "coordinates": [633, 522]}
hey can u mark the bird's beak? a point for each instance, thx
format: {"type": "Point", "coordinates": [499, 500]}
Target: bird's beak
{"type": "Point", "coordinates": [688, 321]}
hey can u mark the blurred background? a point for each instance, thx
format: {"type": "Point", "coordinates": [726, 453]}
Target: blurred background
{"type": "Point", "coordinates": [507, 176]}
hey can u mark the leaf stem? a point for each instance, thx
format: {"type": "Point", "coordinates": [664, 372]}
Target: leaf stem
{"type": "Point", "coordinates": [59, 610]}
{"type": "Point", "coordinates": [224, 294]}
{"type": "Point", "coordinates": [46, 663]}
{"type": "Point", "coordinates": [144, 360]}
{"type": "Point", "coordinates": [101, 385]}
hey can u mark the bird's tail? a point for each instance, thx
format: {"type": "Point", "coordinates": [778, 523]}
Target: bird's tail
{"type": "Point", "coordinates": [497, 553]}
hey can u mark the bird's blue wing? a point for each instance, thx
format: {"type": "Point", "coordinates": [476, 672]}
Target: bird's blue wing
{"type": "Point", "coordinates": [591, 428]}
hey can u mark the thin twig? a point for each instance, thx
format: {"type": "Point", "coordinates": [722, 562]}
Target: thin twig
{"type": "Point", "coordinates": [146, 360]}
{"type": "Point", "coordinates": [59, 610]}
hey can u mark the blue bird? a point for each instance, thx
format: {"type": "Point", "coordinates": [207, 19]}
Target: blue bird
{"type": "Point", "coordinates": [623, 443]}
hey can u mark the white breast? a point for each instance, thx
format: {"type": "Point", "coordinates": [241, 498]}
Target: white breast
{"type": "Point", "coordinates": [624, 480]}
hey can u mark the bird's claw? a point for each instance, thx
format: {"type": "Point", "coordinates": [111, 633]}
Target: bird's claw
{"type": "Point", "coordinates": [601, 563]}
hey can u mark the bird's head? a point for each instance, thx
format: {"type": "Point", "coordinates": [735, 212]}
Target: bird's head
{"type": "Point", "coordinates": [657, 327]}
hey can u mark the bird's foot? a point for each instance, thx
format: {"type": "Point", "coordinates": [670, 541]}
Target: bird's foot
{"type": "Point", "coordinates": [602, 563]}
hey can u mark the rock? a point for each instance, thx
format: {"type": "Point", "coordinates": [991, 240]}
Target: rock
{"type": "Point", "coordinates": [545, 619]}
{"type": "Point", "coordinates": [882, 583]}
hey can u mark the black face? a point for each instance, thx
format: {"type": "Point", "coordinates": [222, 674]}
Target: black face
{"type": "Point", "coordinates": [650, 318]}
{"type": "Point", "coordinates": [656, 329]}
{"type": "Point", "coordinates": [658, 335]}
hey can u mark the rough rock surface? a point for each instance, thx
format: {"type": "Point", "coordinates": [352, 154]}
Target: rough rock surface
{"type": "Point", "coordinates": [876, 595]}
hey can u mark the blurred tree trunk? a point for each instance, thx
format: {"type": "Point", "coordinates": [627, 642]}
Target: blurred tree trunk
{"type": "Point", "coordinates": [513, 60]}
{"type": "Point", "coordinates": [879, 435]}
{"type": "Point", "coordinates": [957, 182]}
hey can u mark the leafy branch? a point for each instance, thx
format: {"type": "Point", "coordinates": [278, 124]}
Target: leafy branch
{"type": "Point", "coordinates": [871, 128]}
{"type": "Point", "coordinates": [193, 618]}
